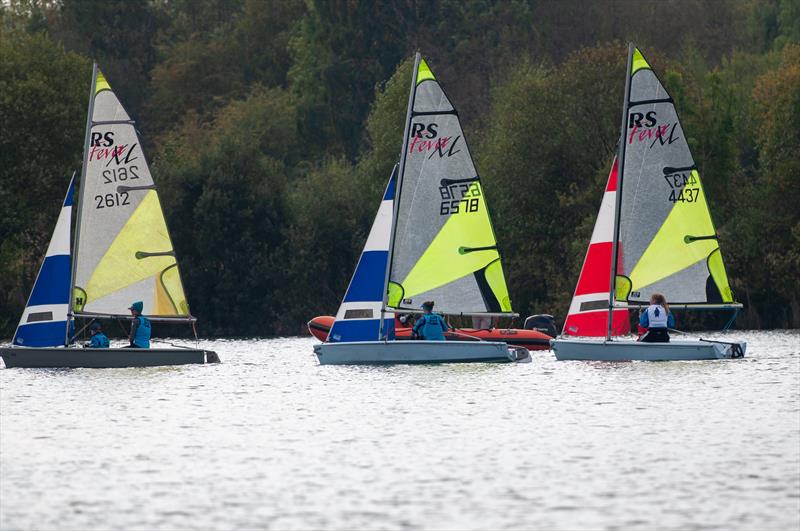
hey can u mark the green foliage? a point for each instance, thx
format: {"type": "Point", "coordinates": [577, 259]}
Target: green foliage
{"type": "Point", "coordinates": [225, 187]}
{"type": "Point", "coordinates": [273, 126]}
{"type": "Point", "coordinates": [43, 92]}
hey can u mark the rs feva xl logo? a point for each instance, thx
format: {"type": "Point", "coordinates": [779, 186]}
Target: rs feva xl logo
{"type": "Point", "coordinates": [425, 139]}
{"type": "Point", "coordinates": [645, 126]}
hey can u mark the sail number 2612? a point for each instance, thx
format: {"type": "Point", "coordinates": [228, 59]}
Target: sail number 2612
{"type": "Point", "coordinates": [111, 200]}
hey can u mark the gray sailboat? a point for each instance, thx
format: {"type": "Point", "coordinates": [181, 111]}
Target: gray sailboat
{"type": "Point", "coordinates": [663, 237]}
{"type": "Point", "coordinates": [431, 240]}
{"type": "Point", "coordinates": [122, 253]}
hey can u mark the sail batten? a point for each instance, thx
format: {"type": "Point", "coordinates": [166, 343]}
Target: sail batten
{"type": "Point", "coordinates": [443, 244]}
{"type": "Point", "coordinates": [123, 250]}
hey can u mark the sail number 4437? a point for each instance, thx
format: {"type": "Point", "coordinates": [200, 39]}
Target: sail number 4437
{"type": "Point", "coordinates": [681, 187]}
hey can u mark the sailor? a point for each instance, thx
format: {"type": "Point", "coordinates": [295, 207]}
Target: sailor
{"type": "Point", "coordinates": [99, 339]}
{"type": "Point", "coordinates": [430, 326]}
{"type": "Point", "coordinates": [656, 318]}
{"type": "Point", "coordinates": [140, 327]}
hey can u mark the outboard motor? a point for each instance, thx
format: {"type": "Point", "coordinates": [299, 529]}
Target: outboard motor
{"type": "Point", "coordinates": [543, 323]}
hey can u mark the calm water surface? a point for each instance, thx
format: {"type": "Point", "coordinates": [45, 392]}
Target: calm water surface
{"type": "Point", "coordinates": [269, 439]}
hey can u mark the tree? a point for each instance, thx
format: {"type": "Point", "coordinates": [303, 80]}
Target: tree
{"type": "Point", "coordinates": [43, 99]}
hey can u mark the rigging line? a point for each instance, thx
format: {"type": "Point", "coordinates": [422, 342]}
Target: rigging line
{"type": "Point", "coordinates": [87, 325]}
{"type": "Point", "coordinates": [732, 320]}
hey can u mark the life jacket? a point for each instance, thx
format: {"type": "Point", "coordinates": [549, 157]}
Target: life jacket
{"type": "Point", "coordinates": [433, 327]}
{"type": "Point", "coordinates": [657, 316]}
{"type": "Point", "coordinates": [142, 337]}
{"type": "Point", "coordinates": [99, 340]}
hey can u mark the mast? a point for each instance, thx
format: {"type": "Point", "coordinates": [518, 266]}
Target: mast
{"type": "Point", "coordinates": [398, 187]}
{"type": "Point", "coordinates": [618, 202]}
{"type": "Point", "coordinates": [78, 201]}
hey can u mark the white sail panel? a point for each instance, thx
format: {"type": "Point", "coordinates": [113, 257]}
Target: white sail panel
{"type": "Point", "coordinates": [124, 252]}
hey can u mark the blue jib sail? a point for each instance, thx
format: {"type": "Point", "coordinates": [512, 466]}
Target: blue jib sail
{"type": "Point", "coordinates": [359, 316]}
{"type": "Point", "coordinates": [44, 321]}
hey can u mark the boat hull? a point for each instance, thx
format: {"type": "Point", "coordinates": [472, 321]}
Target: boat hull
{"type": "Point", "coordinates": [402, 352]}
{"type": "Point", "coordinates": [319, 327]}
{"type": "Point", "coordinates": [103, 358]}
{"type": "Point", "coordinates": [622, 350]}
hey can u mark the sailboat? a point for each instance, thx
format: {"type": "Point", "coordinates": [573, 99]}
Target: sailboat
{"type": "Point", "coordinates": [122, 253]}
{"type": "Point", "coordinates": [432, 239]}
{"type": "Point", "coordinates": [662, 237]}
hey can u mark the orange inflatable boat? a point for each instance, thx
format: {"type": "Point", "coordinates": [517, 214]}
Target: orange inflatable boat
{"type": "Point", "coordinates": [531, 339]}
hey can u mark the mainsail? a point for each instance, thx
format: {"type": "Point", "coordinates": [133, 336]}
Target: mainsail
{"type": "Point", "coordinates": [666, 239]}
{"type": "Point", "coordinates": [588, 311]}
{"type": "Point", "coordinates": [44, 321]}
{"type": "Point", "coordinates": [359, 315]}
{"type": "Point", "coordinates": [444, 247]}
{"type": "Point", "coordinates": [123, 251]}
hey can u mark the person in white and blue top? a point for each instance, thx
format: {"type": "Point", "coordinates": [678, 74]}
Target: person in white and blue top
{"type": "Point", "coordinates": [657, 319]}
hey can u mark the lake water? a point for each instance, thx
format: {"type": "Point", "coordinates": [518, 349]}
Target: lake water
{"type": "Point", "coordinates": [269, 439]}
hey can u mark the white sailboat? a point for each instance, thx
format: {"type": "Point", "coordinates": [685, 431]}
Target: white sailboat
{"type": "Point", "coordinates": [432, 239]}
{"type": "Point", "coordinates": [663, 239]}
{"type": "Point", "coordinates": [122, 253]}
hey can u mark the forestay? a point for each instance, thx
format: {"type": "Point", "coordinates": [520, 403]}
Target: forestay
{"type": "Point", "coordinates": [44, 321]}
{"type": "Point", "coordinates": [667, 241]}
{"type": "Point", "coordinates": [123, 249]}
{"type": "Point", "coordinates": [444, 245]}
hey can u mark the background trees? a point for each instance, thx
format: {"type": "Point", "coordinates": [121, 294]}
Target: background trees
{"type": "Point", "coordinates": [273, 127]}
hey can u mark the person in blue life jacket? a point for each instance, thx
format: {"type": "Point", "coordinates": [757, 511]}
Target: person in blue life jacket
{"type": "Point", "coordinates": [657, 319]}
{"type": "Point", "coordinates": [140, 327]}
{"type": "Point", "coordinates": [430, 326]}
{"type": "Point", "coordinates": [99, 339]}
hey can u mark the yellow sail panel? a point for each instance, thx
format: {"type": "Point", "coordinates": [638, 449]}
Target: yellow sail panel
{"type": "Point", "coordinates": [686, 238]}
{"type": "Point", "coordinates": [464, 245]}
{"type": "Point", "coordinates": [101, 83]}
{"type": "Point", "coordinates": [424, 72]}
{"type": "Point", "coordinates": [141, 250]}
{"type": "Point", "coordinates": [720, 276]}
{"type": "Point", "coordinates": [638, 62]}
{"type": "Point", "coordinates": [497, 282]}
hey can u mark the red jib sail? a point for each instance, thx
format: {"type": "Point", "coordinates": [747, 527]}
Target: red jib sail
{"type": "Point", "coordinates": [588, 311]}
